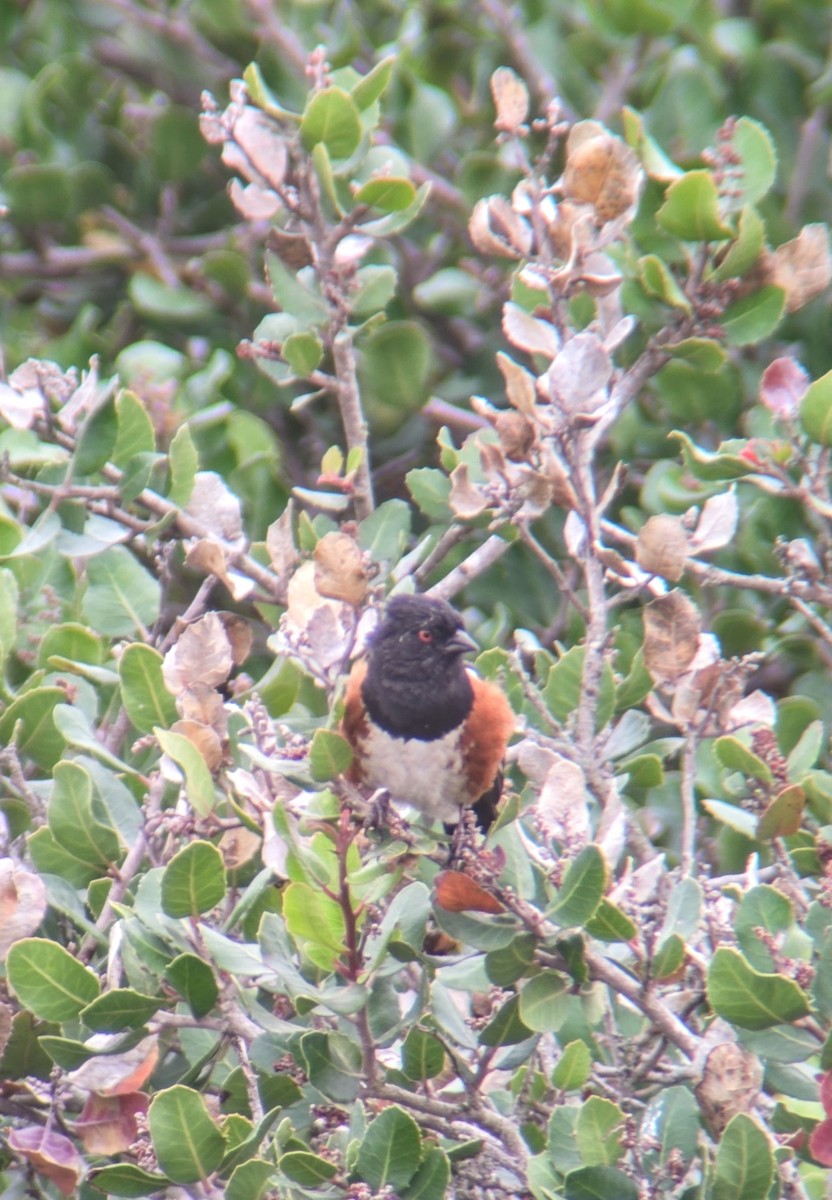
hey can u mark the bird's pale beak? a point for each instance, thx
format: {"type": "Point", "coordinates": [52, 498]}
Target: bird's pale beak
{"type": "Point", "coordinates": [461, 643]}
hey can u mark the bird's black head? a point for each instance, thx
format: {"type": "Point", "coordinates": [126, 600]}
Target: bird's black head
{"type": "Point", "coordinates": [416, 683]}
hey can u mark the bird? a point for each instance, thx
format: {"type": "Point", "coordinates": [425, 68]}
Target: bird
{"type": "Point", "coordinates": [420, 722]}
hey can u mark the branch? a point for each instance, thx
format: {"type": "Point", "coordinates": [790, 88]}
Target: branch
{"type": "Point", "coordinates": [491, 550]}
{"type": "Point", "coordinates": [353, 420]}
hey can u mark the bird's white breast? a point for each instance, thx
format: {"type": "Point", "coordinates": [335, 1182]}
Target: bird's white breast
{"type": "Point", "coordinates": [428, 775]}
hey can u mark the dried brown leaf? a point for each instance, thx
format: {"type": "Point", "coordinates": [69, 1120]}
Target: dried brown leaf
{"type": "Point", "coordinates": [216, 507]}
{"type": "Point", "coordinates": [495, 228]}
{"type": "Point", "coordinates": [22, 903]}
{"type": "Point", "coordinates": [520, 385]}
{"type": "Point", "coordinates": [562, 806]}
{"type": "Point", "coordinates": [204, 739]}
{"type": "Point", "coordinates": [730, 1084]}
{"type": "Point", "coordinates": [239, 634]}
{"type": "Point", "coordinates": [672, 626]}
{"type": "Point", "coordinates": [340, 573]}
{"type": "Point", "coordinates": [280, 543]}
{"type": "Point", "coordinates": [662, 547]}
{"type": "Point", "coordinates": [516, 434]}
{"type": "Point", "coordinates": [108, 1125]}
{"type": "Point", "coordinates": [202, 654]}
{"type": "Point", "coordinates": [253, 202]}
{"type": "Point", "coordinates": [511, 100]}
{"type": "Point", "coordinates": [802, 266]}
{"type": "Point", "coordinates": [51, 1154]}
{"type": "Point", "coordinates": [783, 385]}
{"type": "Point", "coordinates": [466, 500]}
{"type": "Point", "coordinates": [529, 333]}
{"type": "Point", "coordinates": [601, 170]}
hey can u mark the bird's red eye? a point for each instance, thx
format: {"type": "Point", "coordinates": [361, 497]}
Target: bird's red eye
{"type": "Point", "coordinates": [425, 636]}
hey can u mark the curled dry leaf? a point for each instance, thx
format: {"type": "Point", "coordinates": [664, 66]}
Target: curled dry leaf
{"type": "Point", "coordinates": [22, 903]}
{"type": "Point", "coordinates": [202, 655]}
{"type": "Point", "coordinates": [520, 385]}
{"type": "Point", "coordinates": [292, 248]}
{"type": "Point", "coordinates": [280, 543]}
{"type": "Point", "coordinates": [717, 524]}
{"type": "Point", "coordinates": [601, 170]}
{"type": "Point", "coordinates": [730, 1084]}
{"type": "Point", "coordinates": [495, 228]}
{"type": "Point", "coordinates": [456, 892]}
{"type": "Point", "coordinates": [783, 385]}
{"type": "Point", "coordinates": [511, 100]}
{"type": "Point", "coordinates": [577, 379]}
{"type": "Point", "coordinates": [255, 147]}
{"type": "Point", "coordinates": [340, 571]}
{"type": "Point", "coordinates": [239, 846]}
{"type": "Point", "coordinates": [757, 708]}
{"type": "Point", "coordinates": [672, 626]}
{"type": "Point", "coordinates": [253, 202]}
{"type": "Point", "coordinates": [51, 1154]}
{"type": "Point", "coordinates": [240, 637]}
{"type": "Point", "coordinates": [204, 739]}
{"type": "Point", "coordinates": [108, 1125]}
{"type": "Point", "coordinates": [516, 434]}
{"type": "Point", "coordinates": [205, 705]}
{"type": "Point", "coordinates": [216, 507]}
{"type": "Point", "coordinates": [116, 1074]}
{"type": "Point", "coordinates": [662, 547]}
{"type": "Point", "coordinates": [802, 266]}
{"type": "Point", "coordinates": [466, 500]}
{"type": "Point", "coordinates": [562, 806]}
{"type": "Point", "coordinates": [529, 333]}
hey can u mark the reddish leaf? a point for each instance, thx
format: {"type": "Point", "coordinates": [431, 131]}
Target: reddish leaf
{"type": "Point", "coordinates": [820, 1143]}
{"type": "Point", "coordinates": [783, 386]}
{"type": "Point", "coordinates": [108, 1125]}
{"type": "Point", "coordinates": [51, 1154]}
{"type": "Point", "coordinates": [826, 1093]}
{"type": "Point", "coordinates": [456, 892]}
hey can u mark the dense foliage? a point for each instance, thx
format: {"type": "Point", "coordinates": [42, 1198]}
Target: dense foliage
{"type": "Point", "coordinates": [526, 307]}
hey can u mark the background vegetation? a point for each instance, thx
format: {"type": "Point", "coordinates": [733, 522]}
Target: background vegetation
{"type": "Point", "coordinates": [525, 305]}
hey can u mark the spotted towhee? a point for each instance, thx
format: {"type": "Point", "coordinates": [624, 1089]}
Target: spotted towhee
{"type": "Point", "coordinates": [420, 722]}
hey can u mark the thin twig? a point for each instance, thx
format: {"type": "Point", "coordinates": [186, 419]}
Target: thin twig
{"type": "Point", "coordinates": [491, 550]}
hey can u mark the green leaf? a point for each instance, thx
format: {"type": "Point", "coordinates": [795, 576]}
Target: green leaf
{"type": "Point", "coordinates": [430, 489]}
{"type": "Point", "coordinates": [305, 1168]}
{"type": "Point", "coordinates": [184, 464]}
{"type": "Point", "coordinates": [753, 144]}
{"type": "Point", "coordinates": [122, 598]}
{"type": "Point", "coordinates": [333, 1064]}
{"type": "Point", "coordinates": [734, 755]}
{"type": "Point", "coordinates": [396, 222]}
{"type": "Point", "coordinates": [168, 303]}
{"type": "Point", "coordinates": [70, 641]}
{"type": "Point", "coordinates": [423, 1055]}
{"type": "Point", "coordinates": [96, 439]}
{"type": "Point", "coordinates": [188, 1144]}
{"type": "Point", "coordinates": [48, 980]}
{"type": "Point", "coordinates": [704, 354]}
{"type": "Point", "coordinates": [37, 738]}
{"type": "Point", "coordinates": [76, 729]}
{"type": "Point", "coordinates": [745, 250]}
{"type": "Point", "coordinates": [371, 86]}
{"type": "Point", "coordinates": [762, 908]}
{"type": "Point", "coordinates": [144, 695]}
{"type": "Point", "coordinates": [804, 755]}
{"type": "Point", "coordinates": [395, 364]}
{"type": "Point", "coordinates": [136, 430]}
{"type": "Point", "coordinates": [599, 1183]}
{"type": "Point", "coordinates": [431, 1181]}
{"type": "Point", "coordinates": [672, 1117]}
{"type": "Point", "coordinates": [383, 535]}
{"type": "Point", "coordinates": [510, 963]}
{"type": "Point", "coordinates": [784, 815]}
{"type": "Point", "coordinates": [389, 1154]}
{"type": "Point", "coordinates": [193, 881]}
{"type": "Point", "coordinates": [595, 1132]}
{"type": "Point", "coordinates": [125, 1179]}
{"type": "Point", "coordinates": [609, 924]}
{"type": "Point", "coordinates": [387, 193]}
{"type": "Point", "coordinates": [711, 466]}
{"type": "Point", "coordinates": [120, 1008]}
{"type": "Point", "coordinates": [816, 410]}
{"type": "Point", "coordinates": [752, 318]}
{"type": "Point", "coordinates": [506, 1027]}
{"type": "Point", "coordinates": [563, 687]}
{"type": "Point", "coordinates": [313, 916]}
{"type": "Point", "coordinates": [582, 889]}
{"type": "Point", "coordinates": [331, 117]}
{"type": "Point", "coordinates": [572, 1068]}
{"type": "Point", "coordinates": [194, 980]}
{"type": "Point", "coordinates": [199, 786]}
{"type": "Point", "coordinates": [303, 352]}
{"type": "Point", "coordinates": [540, 1010]}
{"type": "Point", "coordinates": [654, 160]}
{"type": "Point", "coordinates": [732, 816]}
{"type": "Point", "coordinates": [669, 957]}
{"type": "Point", "coordinates": [376, 286]}
{"type": "Point", "coordinates": [657, 280]}
{"type": "Point", "coordinates": [744, 1167]}
{"type": "Point", "coordinates": [749, 998]}
{"type": "Point", "coordinates": [691, 209]}
{"type": "Point", "coordinates": [329, 755]}
{"type": "Point", "coordinates": [264, 97]}
{"type": "Point", "coordinates": [73, 823]}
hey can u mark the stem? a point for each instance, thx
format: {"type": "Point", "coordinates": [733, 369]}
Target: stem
{"type": "Point", "coordinates": [353, 420]}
